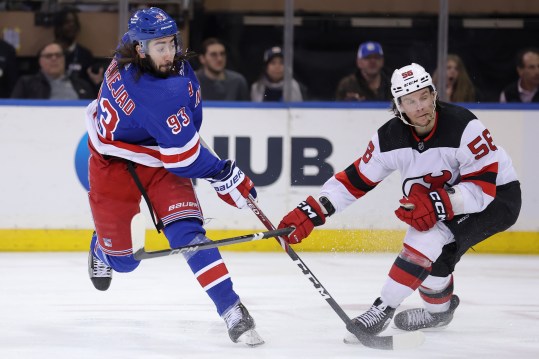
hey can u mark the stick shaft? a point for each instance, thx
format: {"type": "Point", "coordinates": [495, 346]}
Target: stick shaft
{"type": "Point", "coordinates": [299, 262]}
{"type": "Point", "coordinates": [141, 253]}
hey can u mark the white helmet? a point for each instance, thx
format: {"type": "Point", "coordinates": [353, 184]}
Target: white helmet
{"type": "Point", "coordinates": [408, 79]}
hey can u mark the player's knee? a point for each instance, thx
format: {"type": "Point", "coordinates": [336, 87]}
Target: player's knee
{"type": "Point", "coordinates": [123, 264]}
{"type": "Point", "coordinates": [183, 232]}
{"type": "Point", "coordinates": [413, 256]}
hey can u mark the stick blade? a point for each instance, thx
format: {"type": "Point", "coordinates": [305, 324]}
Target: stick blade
{"type": "Point", "coordinates": [399, 341]}
{"type": "Point", "coordinates": [408, 340]}
{"type": "Point", "coordinates": [138, 233]}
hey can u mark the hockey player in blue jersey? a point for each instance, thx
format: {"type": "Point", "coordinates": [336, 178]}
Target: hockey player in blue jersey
{"type": "Point", "coordinates": [459, 189]}
{"type": "Point", "coordinates": [143, 139]}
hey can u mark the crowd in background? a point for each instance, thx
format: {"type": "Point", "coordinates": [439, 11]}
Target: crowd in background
{"type": "Point", "coordinates": [68, 70]}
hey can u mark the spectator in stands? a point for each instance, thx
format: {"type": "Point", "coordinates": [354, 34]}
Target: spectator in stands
{"type": "Point", "coordinates": [368, 82]}
{"type": "Point", "coordinates": [458, 86]}
{"type": "Point", "coordinates": [269, 86]}
{"type": "Point", "coordinates": [525, 88]}
{"type": "Point", "coordinates": [8, 68]}
{"type": "Point", "coordinates": [216, 82]}
{"type": "Point", "coordinates": [52, 82]}
{"type": "Point", "coordinates": [78, 59]}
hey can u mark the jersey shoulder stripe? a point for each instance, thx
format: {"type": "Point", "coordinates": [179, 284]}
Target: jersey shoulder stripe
{"type": "Point", "coordinates": [352, 179]}
{"type": "Point", "coordinates": [484, 178]}
{"type": "Point", "coordinates": [152, 156]}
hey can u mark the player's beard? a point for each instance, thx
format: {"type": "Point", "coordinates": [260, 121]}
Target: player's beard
{"type": "Point", "coordinates": [161, 72]}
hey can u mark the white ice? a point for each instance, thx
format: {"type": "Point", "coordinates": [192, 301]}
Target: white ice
{"type": "Point", "coordinates": [49, 308]}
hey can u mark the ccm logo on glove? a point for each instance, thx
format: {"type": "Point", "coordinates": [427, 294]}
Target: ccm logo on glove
{"type": "Point", "coordinates": [438, 205]}
{"type": "Point", "coordinates": [304, 218]}
{"type": "Point", "coordinates": [308, 210]}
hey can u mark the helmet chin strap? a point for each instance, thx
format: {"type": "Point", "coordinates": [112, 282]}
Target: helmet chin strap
{"type": "Point", "coordinates": [412, 125]}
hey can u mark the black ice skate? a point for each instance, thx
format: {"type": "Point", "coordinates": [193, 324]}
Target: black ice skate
{"type": "Point", "coordinates": [100, 273]}
{"type": "Point", "coordinates": [241, 326]}
{"type": "Point", "coordinates": [374, 320]}
{"type": "Point", "coordinates": [419, 318]}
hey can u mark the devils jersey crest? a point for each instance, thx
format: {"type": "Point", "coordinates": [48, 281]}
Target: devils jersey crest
{"type": "Point", "coordinates": [428, 181]}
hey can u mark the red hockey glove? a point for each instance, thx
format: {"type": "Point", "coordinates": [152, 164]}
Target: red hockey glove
{"type": "Point", "coordinates": [305, 217]}
{"type": "Point", "coordinates": [233, 186]}
{"type": "Point", "coordinates": [422, 210]}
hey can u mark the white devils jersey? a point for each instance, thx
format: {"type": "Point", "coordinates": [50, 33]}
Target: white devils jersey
{"type": "Point", "coordinates": [459, 151]}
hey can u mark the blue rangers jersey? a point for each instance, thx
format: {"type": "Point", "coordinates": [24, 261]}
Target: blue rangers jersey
{"type": "Point", "coordinates": [459, 152]}
{"type": "Point", "coordinates": [151, 121]}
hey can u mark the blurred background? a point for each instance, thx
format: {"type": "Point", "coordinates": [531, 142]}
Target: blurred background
{"type": "Point", "coordinates": [486, 34]}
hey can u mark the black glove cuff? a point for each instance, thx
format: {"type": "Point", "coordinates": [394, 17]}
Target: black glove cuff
{"type": "Point", "coordinates": [312, 211]}
{"type": "Point", "coordinates": [324, 201]}
{"type": "Point", "coordinates": [225, 173]}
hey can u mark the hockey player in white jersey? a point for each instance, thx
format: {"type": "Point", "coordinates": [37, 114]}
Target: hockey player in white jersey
{"type": "Point", "coordinates": [143, 139]}
{"type": "Point", "coordinates": [459, 189]}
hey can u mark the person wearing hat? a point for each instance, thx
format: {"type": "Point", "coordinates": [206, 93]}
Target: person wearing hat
{"type": "Point", "coordinates": [269, 87]}
{"type": "Point", "coordinates": [368, 82]}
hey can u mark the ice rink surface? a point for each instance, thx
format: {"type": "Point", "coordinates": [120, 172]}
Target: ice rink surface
{"type": "Point", "coordinates": [50, 310]}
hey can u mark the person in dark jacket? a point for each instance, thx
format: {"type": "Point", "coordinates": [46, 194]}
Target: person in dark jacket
{"type": "Point", "coordinates": [526, 88]}
{"type": "Point", "coordinates": [8, 68]}
{"type": "Point", "coordinates": [216, 81]}
{"type": "Point", "coordinates": [79, 60]}
{"type": "Point", "coordinates": [51, 82]}
{"type": "Point", "coordinates": [369, 82]}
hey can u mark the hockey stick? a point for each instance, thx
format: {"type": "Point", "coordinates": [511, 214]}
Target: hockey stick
{"type": "Point", "coordinates": [391, 342]}
{"type": "Point", "coordinates": [137, 234]}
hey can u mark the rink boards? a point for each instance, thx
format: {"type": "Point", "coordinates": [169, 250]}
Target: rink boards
{"type": "Point", "coordinates": [288, 151]}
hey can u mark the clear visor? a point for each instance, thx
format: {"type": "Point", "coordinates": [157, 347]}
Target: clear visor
{"type": "Point", "coordinates": [163, 44]}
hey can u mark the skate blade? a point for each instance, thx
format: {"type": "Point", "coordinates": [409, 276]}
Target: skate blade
{"type": "Point", "coordinates": [251, 338]}
{"type": "Point", "coordinates": [432, 329]}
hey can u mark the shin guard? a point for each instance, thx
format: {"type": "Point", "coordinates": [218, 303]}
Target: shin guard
{"type": "Point", "coordinates": [207, 265]}
{"type": "Point", "coordinates": [406, 275]}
